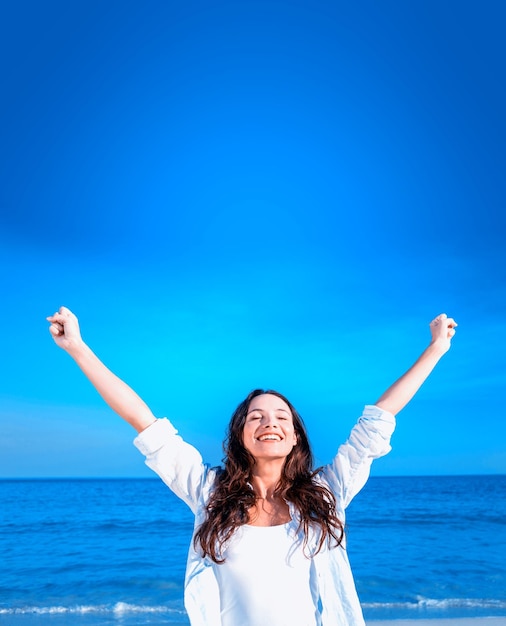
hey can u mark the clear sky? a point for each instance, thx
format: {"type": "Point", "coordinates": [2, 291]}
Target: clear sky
{"type": "Point", "coordinates": [234, 195]}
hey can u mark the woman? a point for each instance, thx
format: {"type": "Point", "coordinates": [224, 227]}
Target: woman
{"type": "Point", "coordinates": [268, 547]}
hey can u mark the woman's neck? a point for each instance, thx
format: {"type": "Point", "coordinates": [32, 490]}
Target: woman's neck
{"type": "Point", "coordinates": [270, 508]}
{"type": "Point", "coordinates": [265, 478]}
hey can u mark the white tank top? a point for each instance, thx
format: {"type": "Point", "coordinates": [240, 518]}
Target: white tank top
{"type": "Point", "coordinates": [266, 579]}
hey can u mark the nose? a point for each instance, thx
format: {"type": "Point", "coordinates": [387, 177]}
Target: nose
{"type": "Point", "coordinates": [270, 422]}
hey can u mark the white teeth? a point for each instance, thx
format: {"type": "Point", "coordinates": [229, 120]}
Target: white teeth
{"type": "Point", "coordinates": [269, 438]}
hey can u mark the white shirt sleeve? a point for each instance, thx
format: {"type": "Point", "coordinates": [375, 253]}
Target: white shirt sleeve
{"type": "Point", "coordinates": [368, 440]}
{"type": "Point", "coordinates": [177, 463]}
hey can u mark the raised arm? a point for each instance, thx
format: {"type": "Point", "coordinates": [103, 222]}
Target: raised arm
{"type": "Point", "coordinates": [400, 393]}
{"type": "Point", "coordinates": [64, 329]}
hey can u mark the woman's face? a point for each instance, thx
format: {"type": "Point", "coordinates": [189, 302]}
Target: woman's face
{"type": "Point", "coordinates": [268, 431]}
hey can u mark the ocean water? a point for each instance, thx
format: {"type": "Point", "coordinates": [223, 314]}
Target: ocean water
{"type": "Point", "coordinates": [113, 552]}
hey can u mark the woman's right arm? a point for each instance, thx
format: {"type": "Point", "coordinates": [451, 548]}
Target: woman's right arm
{"type": "Point", "coordinates": [64, 329]}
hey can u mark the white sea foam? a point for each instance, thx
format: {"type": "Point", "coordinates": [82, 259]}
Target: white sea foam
{"type": "Point", "coordinates": [120, 608]}
{"type": "Point", "coordinates": [444, 603]}
{"type": "Point", "coordinates": [124, 608]}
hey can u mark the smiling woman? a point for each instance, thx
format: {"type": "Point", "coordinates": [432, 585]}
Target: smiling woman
{"type": "Point", "coordinates": [267, 525]}
{"type": "Point", "coordinates": [268, 464]}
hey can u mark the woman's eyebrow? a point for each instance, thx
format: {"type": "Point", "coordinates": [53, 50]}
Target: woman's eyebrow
{"type": "Point", "coordinates": [262, 410]}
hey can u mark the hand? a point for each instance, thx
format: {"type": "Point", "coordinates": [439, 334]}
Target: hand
{"type": "Point", "coordinates": [442, 329]}
{"type": "Point", "coordinates": [400, 393]}
{"type": "Point", "coordinates": [64, 329]}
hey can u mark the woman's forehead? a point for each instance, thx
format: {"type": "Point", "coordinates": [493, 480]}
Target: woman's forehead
{"type": "Point", "coordinates": [268, 402]}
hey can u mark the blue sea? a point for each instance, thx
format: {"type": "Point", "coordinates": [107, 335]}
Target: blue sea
{"type": "Point", "coordinates": [113, 552]}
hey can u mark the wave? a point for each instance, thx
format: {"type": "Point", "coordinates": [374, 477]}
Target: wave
{"type": "Point", "coordinates": [444, 603]}
{"type": "Point", "coordinates": [120, 608]}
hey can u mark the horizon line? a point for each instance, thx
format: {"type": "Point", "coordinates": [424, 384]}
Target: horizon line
{"type": "Point", "coordinates": [157, 478]}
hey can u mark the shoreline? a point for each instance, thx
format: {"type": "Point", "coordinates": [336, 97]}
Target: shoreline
{"type": "Point", "coordinates": [87, 619]}
{"type": "Point", "coordinates": [443, 621]}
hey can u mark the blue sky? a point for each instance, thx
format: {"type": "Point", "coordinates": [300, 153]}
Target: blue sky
{"type": "Point", "coordinates": [256, 194]}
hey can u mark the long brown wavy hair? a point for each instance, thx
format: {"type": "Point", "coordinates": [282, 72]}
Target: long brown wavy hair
{"type": "Point", "coordinates": [233, 496]}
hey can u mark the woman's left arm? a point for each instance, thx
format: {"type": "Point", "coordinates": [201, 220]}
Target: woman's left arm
{"type": "Point", "coordinates": [400, 393]}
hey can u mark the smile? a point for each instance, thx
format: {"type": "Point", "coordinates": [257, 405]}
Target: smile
{"type": "Point", "coordinates": [269, 438]}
